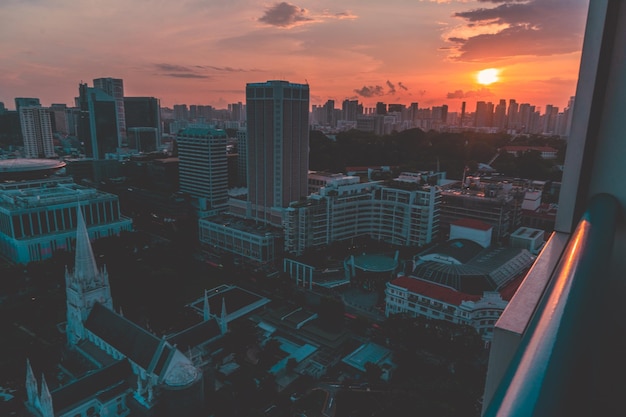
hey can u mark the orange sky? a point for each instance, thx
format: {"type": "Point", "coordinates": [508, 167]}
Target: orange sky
{"type": "Point", "coordinates": [205, 51]}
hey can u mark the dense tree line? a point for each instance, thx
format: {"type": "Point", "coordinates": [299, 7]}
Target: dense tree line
{"type": "Point", "coordinates": [414, 149]}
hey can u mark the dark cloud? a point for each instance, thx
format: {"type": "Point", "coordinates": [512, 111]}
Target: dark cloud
{"type": "Point", "coordinates": [284, 15]}
{"type": "Point", "coordinates": [402, 86]}
{"type": "Point", "coordinates": [483, 92]}
{"type": "Point", "coordinates": [370, 91]}
{"type": "Point", "coordinates": [392, 88]}
{"type": "Point", "coordinates": [185, 75]}
{"type": "Point", "coordinates": [227, 69]}
{"type": "Point", "coordinates": [172, 67]}
{"type": "Point", "coordinates": [534, 27]}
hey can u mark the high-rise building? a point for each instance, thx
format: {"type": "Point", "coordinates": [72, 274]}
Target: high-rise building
{"type": "Point", "coordinates": [25, 101]}
{"type": "Point", "coordinates": [115, 88]}
{"type": "Point", "coordinates": [97, 127]}
{"type": "Point", "coordinates": [278, 146]}
{"type": "Point", "coordinates": [203, 167]}
{"type": "Point", "coordinates": [484, 114]}
{"type": "Point", "coordinates": [37, 132]}
{"type": "Point", "coordinates": [349, 109]}
{"type": "Point", "coordinates": [58, 118]}
{"type": "Point", "coordinates": [513, 121]}
{"type": "Point", "coordinates": [143, 123]}
{"type": "Point", "coordinates": [499, 116]}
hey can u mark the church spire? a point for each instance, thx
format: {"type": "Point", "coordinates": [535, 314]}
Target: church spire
{"type": "Point", "coordinates": [32, 393]}
{"type": "Point", "coordinates": [85, 266]}
{"type": "Point", "coordinates": [45, 399]}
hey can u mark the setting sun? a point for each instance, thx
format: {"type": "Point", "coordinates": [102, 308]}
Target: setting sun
{"type": "Point", "coordinates": [488, 76]}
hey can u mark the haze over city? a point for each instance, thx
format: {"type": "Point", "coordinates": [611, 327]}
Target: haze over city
{"type": "Point", "coordinates": [204, 52]}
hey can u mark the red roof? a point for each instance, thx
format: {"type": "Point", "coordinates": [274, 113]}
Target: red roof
{"type": "Point", "coordinates": [472, 224]}
{"type": "Point", "coordinates": [434, 291]}
{"type": "Point", "coordinates": [511, 288]}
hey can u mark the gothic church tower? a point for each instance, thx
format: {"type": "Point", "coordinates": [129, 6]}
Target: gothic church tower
{"type": "Point", "coordinates": [85, 285]}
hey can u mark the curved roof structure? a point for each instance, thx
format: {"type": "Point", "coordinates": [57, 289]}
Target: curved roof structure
{"type": "Point", "coordinates": [20, 168]}
{"type": "Point", "coordinates": [476, 269]}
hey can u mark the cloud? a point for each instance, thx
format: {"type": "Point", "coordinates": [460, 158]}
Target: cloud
{"type": "Point", "coordinates": [370, 91]}
{"type": "Point", "coordinates": [392, 88]}
{"type": "Point", "coordinates": [402, 86]}
{"type": "Point", "coordinates": [185, 75]}
{"type": "Point", "coordinates": [483, 92]}
{"type": "Point", "coordinates": [285, 15]}
{"type": "Point", "coordinates": [179, 71]}
{"type": "Point", "coordinates": [514, 27]}
{"type": "Point", "coordinates": [172, 67]}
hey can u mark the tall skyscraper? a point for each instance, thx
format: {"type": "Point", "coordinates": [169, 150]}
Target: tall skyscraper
{"type": "Point", "coordinates": [143, 123]}
{"type": "Point", "coordinates": [203, 167]}
{"type": "Point", "coordinates": [115, 88]}
{"type": "Point", "coordinates": [37, 132]}
{"type": "Point", "coordinates": [278, 146]}
{"type": "Point", "coordinates": [25, 101]}
{"type": "Point", "coordinates": [97, 127]}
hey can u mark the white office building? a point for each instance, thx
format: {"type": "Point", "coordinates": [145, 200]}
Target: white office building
{"type": "Point", "coordinates": [401, 212]}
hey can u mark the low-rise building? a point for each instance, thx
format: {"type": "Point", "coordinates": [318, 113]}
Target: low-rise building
{"type": "Point", "coordinates": [38, 217]}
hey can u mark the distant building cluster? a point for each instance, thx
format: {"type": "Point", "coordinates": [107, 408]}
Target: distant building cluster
{"type": "Point", "coordinates": [514, 117]}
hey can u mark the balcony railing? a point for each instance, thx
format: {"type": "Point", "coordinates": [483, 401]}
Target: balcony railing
{"type": "Point", "coordinates": [559, 368]}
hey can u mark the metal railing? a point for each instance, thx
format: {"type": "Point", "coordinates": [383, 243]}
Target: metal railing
{"type": "Point", "coordinates": [554, 370]}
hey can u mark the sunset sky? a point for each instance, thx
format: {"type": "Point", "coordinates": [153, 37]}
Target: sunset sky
{"type": "Point", "coordinates": [205, 51]}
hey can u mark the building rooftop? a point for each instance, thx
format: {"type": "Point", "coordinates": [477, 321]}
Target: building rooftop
{"type": "Point", "coordinates": [472, 224]}
{"type": "Point", "coordinates": [104, 382]}
{"type": "Point", "coordinates": [479, 269]}
{"type": "Point", "coordinates": [245, 225]}
{"type": "Point", "coordinates": [45, 193]}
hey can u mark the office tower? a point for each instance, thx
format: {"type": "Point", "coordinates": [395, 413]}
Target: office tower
{"type": "Point", "coordinates": [97, 127]}
{"type": "Point", "coordinates": [58, 118]}
{"type": "Point", "coordinates": [329, 113]}
{"type": "Point", "coordinates": [549, 119]}
{"type": "Point", "coordinates": [181, 112]}
{"type": "Point", "coordinates": [440, 113]}
{"type": "Point", "coordinates": [414, 107]}
{"type": "Point", "coordinates": [278, 146]}
{"type": "Point", "coordinates": [237, 112]}
{"type": "Point", "coordinates": [396, 108]}
{"type": "Point", "coordinates": [381, 108]}
{"type": "Point", "coordinates": [484, 114]}
{"type": "Point", "coordinates": [37, 132]}
{"type": "Point", "coordinates": [25, 101]}
{"type": "Point", "coordinates": [349, 110]}
{"type": "Point", "coordinates": [115, 88]}
{"type": "Point", "coordinates": [242, 156]}
{"type": "Point", "coordinates": [499, 117]}
{"type": "Point", "coordinates": [72, 119]}
{"type": "Point", "coordinates": [143, 123]}
{"type": "Point", "coordinates": [2, 108]}
{"type": "Point", "coordinates": [462, 113]}
{"type": "Point", "coordinates": [203, 167]}
{"type": "Point", "coordinates": [570, 113]}
{"type": "Point", "coordinates": [513, 121]}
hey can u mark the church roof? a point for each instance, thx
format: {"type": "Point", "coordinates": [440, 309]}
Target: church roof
{"type": "Point", "coordinates": [134, 342]}
{"type": "Point", "coordinates": [195, 335]}
{"type": "Point", "coordinates": [103, 382]}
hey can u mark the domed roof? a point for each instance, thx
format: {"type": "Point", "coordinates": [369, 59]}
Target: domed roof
{"type": "Point", "coordinates": [181, 375]}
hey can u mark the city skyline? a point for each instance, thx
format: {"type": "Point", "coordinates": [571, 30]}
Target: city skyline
{"type": "Point", "coordinates": [428, 52]}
